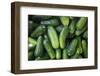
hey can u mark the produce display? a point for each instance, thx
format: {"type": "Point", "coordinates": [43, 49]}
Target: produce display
{"type": "Point", "coordinates": [57, 37]}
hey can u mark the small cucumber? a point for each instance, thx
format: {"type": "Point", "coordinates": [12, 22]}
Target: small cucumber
{"type": "Point", "coordinates": [32, 41]}
{"type": "Point", "coordinates": [72, 26]}
{"type": "Point", "coordinates": [58, 53]}
{"type": "Point", "coordinates": [63, 36]}
{"type": "Point", "coordinates": [85, 34]}
{"type": "Point", "coordinates": [49, 49]}
{"type": "Point", "coordinates": [30, 55]}
{"type": "Point", "coordinates": [72, 47]}
{"type": "Point", "coordinates": [81, 23]}
{"type": "Point", "coordinates": [39, 48]}
{"type": "Point", "coordinates": [79, 32]}
{"type": "Point", "coordinates": [38, 31]}
{"type": "Point", "coordinates": [52, 22]}
{"type": "Point", "coordinates": [84, 46]}
{"type": "Point", "coordinates": [65, 56]}
{"type": "Point", "coordinates": [53, 37]}
{"type": "Point", "coordinates": [64, 20]}
{"type": "Point", "coordinates": [59, 28]}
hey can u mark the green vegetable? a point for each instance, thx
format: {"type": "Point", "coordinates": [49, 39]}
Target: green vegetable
{"type": "Point", "coordinates": [30, 55]}
{"type": "Point", "coordinates": [32, 41]}
{"type": "Point", "coordinates": [38, 31]}
{"type": "Point", "coordinates": [72, 47]}
{"type": "Point", "coordinates": [64, 20]}
{"type": "Point", "coordinates": [63, 36]}
{"type": "Point", "coordinates": [49, 49]}
{"type": "Point", "coordinates": [81, 23]}
{"type": "Point", "coordinates": [84, 46]}
{"type": "Point", "coordinates": [53, 37]}
{"type": "Point", "coordinates": [59, 28]}
{"type": "Point", "coordinates": [72, 26]}
{"type": "Point", "coordinates": [85, 34]}
{"type": "Point", "coordinates": [58, 53]}
{"type": "Point", "coordinates": [39, 48]}
{"type": "Point", "coordinates": [65, 56]}
{"type": "Point", "coordinates": [52, 22]}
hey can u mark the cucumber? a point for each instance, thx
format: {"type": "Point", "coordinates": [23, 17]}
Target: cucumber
{"type": "Point", "coordinates": [84, 46]}
{"type": "Point", "coordinates": [30, 55]}
{"type": "Point", "coordinates": [32, 41]}
{"type": "Point", "coordinates": [72, 47]}
{"type": "Point", "coordinates": [39, 47]}
{"type": "Point", "coordinates": [64, 20]}
{"type": "Point", "coordinates": [59, 28]}
{"type": "Point", "coordinates": [72, 26]}
{"type": "Point", "coordinates": [49, 49]}
{"type": "Point", "coordinates": [63, 36]}
{"type": "Point", "coordinates": [53, 37]}
{"type": "Point", "coordinates": [65, 56]}
{"type": "Point", "coordinates": [38, 31]}
{"type": "Point", "coordinates": [85, 34]}
{"type": "Point", "coordinates": [58, 53]}
{"type": "Point", "coordinates": [52, 22]}
{"type": "Point", "coordinates": [81, 23]}
{"type": "Point", "coordinates": [79, 32]}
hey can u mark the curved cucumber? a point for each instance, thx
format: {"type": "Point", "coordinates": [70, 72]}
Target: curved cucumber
{"type": "Point", "coordinates": [63, 36]}
{"type": "Point", "coordinates": [39, 48]}
{"type": "Point", "coordinates": [81, 23]}
{"type": "Point", "coordinates": [53, 37]}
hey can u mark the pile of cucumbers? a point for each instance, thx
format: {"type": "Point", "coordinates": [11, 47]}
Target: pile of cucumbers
{"type": "Point", "coordinates": [57, 37]}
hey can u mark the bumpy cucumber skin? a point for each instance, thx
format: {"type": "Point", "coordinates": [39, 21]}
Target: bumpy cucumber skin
{"type": "Point", "coordinates": [81, 23]}
{"type": "Point", "coordinates": [58, 53]}
{"type": "Point", "coordinates": [63, 36]}
{"type": "Point", "coordinates": [65, 56]}
{"type": "Point", "coordinates": [64, 20]}
{"type": "Point", "coordinates": [72, 47]}
{"type": "Point", "coordinates": [38, 31]}
{"type": "Point", "coordinates": [39, 48]}
{"type": "Point", "coordinates": [84, 46]}
{"type": "Point", "coordinates": [72, 26]}
{"type": "Point", "coordinates": [53, 37]}
{"type": "Point", "coordinates": [49, 49]}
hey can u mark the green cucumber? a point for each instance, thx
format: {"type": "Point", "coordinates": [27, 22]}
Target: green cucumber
{"type": "Point", "coordinates": [32, 41]}
{"type": "Point", "coordinates": [72, 47]}
{"type": "Point", "coordinates": [63, 36]}
{"type": "Point", "coordinates": [39, 47]}
{"type": "Point", "coordinates": [30, 55]}
{"type": "Point", "coordinates": [65, 56]}
{"type": "Point", "coordinates": [59, 28]}
{"type": "Point", "coordinates": [58, 53]}
{"type": "Point", "coordinates": [38, 31]}
{"type": "Point", "coordinates": [53, 37]}
{"type": "Point", "coordinates": [84, 46]}
{"type": "Point", "coordinates": [72, 26]}
{"type": "Point", "coordinates": [85, 34]}
{"type": "Point", "coordinates": [49, 49]}
{"type": "Point", "coordinates": [81, 23]}
{"type": "Point", "coordinates": [64, 20]}
{"type": "Point", "coordinates": [52, 22]}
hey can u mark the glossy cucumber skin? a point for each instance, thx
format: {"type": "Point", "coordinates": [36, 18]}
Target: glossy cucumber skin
{"type": "Point", "coordinates": [38, 31]}
{"type": "Point", "coordinates": [63, 36]}
{"type": "Point", "coordinates": [81, 23]}
{"type": "Point", "coordinates": [84, 46]}
{"type": "Point", "coordinates": [72, 47]}
{"type": "Point", "coordinates": [39, 47]}
{"type": "Point", "coordinates": [49, 49]}
{"type": "Point", "coordinates": [64, 20]}
{"type": "Point", "coordinates": [58, 53]}
{"type": "Point", "coordinates": [53, 37]}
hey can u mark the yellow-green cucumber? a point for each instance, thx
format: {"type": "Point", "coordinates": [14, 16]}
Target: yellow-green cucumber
{"type": "Point", "coordinates": [53, 37]}
{"type": "Point", "coordinates": [64, 20]}
{"type": "Point", "coordinates": [58, 53]}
